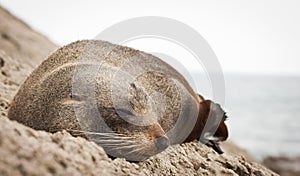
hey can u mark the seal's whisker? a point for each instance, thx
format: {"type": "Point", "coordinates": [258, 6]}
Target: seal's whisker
{"type": "Point", "coordinates": [116, 147]}
{"type": "Point", "coordinates": [139, 154]}
{"type": "Point", "coordinates": [119, 139]}
{"type": "Point", "coordinates": [108, 145]}
{"type": "Point", "coordinates": [115, 137]}
{"type": "Point", "coordinates": [91, 132]}
{"type": "Point", "coordinates": [109, 134]}
{"type": "Point", "coordinates": [111, 141]}
{"type": "Point", "coordinates": [137, 151]}
{"type": "Point", "coordinates": [126, 147]}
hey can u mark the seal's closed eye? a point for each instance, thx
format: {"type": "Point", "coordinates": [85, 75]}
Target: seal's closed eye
{"type": "Point", "coordinates": [72, 98]}
{"type": "Point", "coordinates": [75, 97]}
{"type": "Point", "coordinates": [124, 112]}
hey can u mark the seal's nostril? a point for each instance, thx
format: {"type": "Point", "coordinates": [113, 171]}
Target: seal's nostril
{"type": "Point", "coordinates": [162, 143]}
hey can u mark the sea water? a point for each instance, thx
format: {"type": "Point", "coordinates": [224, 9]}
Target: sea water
{"type": "Point", "coordinates": [263, 111]}
{"type": "Point", "coordinates": [264, 114]}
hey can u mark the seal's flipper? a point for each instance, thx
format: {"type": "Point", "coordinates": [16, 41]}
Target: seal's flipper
{"type": "Point", "coordinates": [215, 146]}
{"type": "Point", "coordinates": [221, 133]}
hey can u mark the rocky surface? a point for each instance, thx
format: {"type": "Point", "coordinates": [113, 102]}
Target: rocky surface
{"type": "Point", "coordinates": [21, 50]}
{"type": "Point", "coordinates": [284, 166]}
{"type": "Point", "coordinates": [25, 151]}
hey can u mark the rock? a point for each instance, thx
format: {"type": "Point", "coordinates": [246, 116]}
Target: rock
{"type": "Point", "coordinates": [22, 43]}
{"type": "Point", "coordinates": [284, 166]}
{"type": "Point", "coordinates": [21, 50]}
{"type": "Point", "coordinates": [25, 151]}
{"type": "Point", "coordinates": [230, 148]}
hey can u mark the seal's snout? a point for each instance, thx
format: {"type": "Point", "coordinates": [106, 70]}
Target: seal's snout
{"type": "Point", "coordinates": [162, 143]}
{"type": "Point", "coordinates": [158, 136]}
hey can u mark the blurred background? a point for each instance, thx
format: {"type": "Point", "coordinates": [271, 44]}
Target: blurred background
{"type": "Point", "coordinates": [257, 44]}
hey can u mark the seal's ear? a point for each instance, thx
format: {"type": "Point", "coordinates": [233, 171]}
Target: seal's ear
{"type": "Point", "coordinates": [200, 98]}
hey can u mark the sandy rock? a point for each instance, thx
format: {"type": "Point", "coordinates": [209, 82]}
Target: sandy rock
{"type": "Point", "coordinates": [230, 148]}
{"type": "Point", "coordinates": [197, 159]}
{"type": "Point", "coordinates": [21, 50]}
{"type": "Point", "coordinates": [25, 151]}
{"type": "Point", "coordinates": [283, 165]}
{"type": "Point", "coordinates": [22, 43]}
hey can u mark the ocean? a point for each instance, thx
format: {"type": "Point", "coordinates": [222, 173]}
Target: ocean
{"type": "Point", "coordinates": [263, 111]}
{"type": "Point", "coordinates": [264, 114]}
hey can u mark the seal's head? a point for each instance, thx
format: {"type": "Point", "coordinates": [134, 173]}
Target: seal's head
{"type": "Point", "coordinates": [123, 121]}
{"type": "Point", "coordinates": [133, 130]}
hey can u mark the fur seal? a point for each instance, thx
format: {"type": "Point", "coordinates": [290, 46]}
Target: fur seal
{"type": "Point", "coordinates": [129, 102]}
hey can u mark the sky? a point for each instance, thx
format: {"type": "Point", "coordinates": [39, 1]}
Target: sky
{"type": "Point", "coordinates": [250, 37]}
